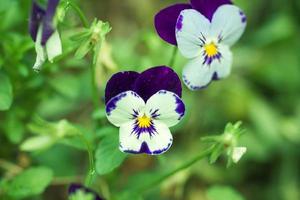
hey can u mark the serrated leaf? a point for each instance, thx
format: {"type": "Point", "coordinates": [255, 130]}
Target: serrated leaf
{"type": "Point", "coordinates": [108, 155]}
{"type": "Point", "coordinates": [30, 182]}
{"type": "Point", "coordinates": [6, 95]}
{"type": "Point", "coordinates": [223, 193]}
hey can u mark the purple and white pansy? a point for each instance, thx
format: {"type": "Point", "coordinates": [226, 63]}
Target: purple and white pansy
{"type": "Point", "coordinates": [204, 32]}
{"type": "Point", "coordinates": [144, 106]}
{"type": "Point", "coordinates": [43, 32]}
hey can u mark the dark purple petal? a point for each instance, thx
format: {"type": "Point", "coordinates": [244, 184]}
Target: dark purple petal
{"type": "Point", "coordinates": [165, 22]}
{"type": "Point", "coordinates": [208, 7]}
{"type": "Point", "coordinates": [37, 13]}
{"type": "Point", "coordinates": [74, 187]}
{"type": "Point", "coordinates": [48, 28]}
{"type": "Point", "coordinates": [155, 79]}
{"type": "Point", "coordinates": [120, 82]}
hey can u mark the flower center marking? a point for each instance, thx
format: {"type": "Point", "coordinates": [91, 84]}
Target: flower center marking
{"type": "Point", "coordinates": [144, 122]}
{"type": "Point", "coordinates": [211, 49]}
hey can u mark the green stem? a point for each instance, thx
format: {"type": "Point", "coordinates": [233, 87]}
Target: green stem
{"type": "Point", "coordinates": [95, 95]}
{"type": "Point", "coordinates": [80, 14]}
{"type": "Point", "coordinates": [173, 58]}
{"type": "Point", "coordinates": [184, 166]}
{"type": "Point", "coordinates": [91, 171]}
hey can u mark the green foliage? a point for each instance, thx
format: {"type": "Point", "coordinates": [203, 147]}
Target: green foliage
{"type": "Point", "coordinates": [31, 182]}
{"type": "Point", "coordinates": [223, 193]}
{"type": "Point", "coordinates": [108, 155]}
{"type": "Point", "coordinates": [6, 95]}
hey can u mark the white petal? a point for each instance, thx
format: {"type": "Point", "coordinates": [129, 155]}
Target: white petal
{"type": "Point", "coordinates": [228, 22]}
{"type": "Point", "coordinates": [191, 29]}
{"type": "Point", "coordinates": [152, 144]}
{"type": "Point", "coordinates": [223, 66]}
{"type": "Point", "coordinates": [53, 46]}
{"type": "Point", "coordinates": [121, 108]}
{"type": "Point", "coordinates": [40, 51]}
{"type": "Point", "coordinates": [197, 75]}
{"type": "Point", "coordinates": [237, 153]}
{"type": "Point", "coordinates": [165, 106]}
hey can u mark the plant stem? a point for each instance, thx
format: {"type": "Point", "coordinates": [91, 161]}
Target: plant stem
{"type": "Point", "coordinates": [178, 169]}
{"type": "Point", "coordinates": [91, 171]}
{"type": "Point", "coordinates": [95, 95]}
{"type": "Point", "coordinates": [80, 14]}
{"type": "Point", "coordinates": [173, 58]}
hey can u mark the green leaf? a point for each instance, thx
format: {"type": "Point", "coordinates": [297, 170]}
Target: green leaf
{"type": "Point", "coordinates": [6, 95]}
{"type": "Point", "coordinates": [37, 143]}
{"type": "Point", "coordinates": [108, 155]}
{"type": "Point", "coordinates": [223, 193]}
{"type": "Point", "coordinates": [30, 182]}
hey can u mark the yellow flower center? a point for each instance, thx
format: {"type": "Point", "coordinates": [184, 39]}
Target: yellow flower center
{"type": "Point", "coordinates": [144, 122]}
{"type": "Point", "coordinates": [211, 49]}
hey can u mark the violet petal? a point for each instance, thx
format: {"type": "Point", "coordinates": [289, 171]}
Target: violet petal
{"type": "Point", "coordinates": [37, 13]}
{"type": "Point", "coordinates": [165, 22]}
{"type": "Point", "coordinates": [48, 28]}
{"type": "Point", "coordinates": [208, 7]}
{"type": "Point", "coordinates": [120, 82]}
{"type": "Point", "coordinates": [155, 79]}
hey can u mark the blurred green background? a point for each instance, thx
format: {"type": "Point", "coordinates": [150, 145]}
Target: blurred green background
{"type": "Point", "coordinates": [263, 91]}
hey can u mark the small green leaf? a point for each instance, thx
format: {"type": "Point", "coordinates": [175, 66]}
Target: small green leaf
{"type": "Point", "coordinates": [108, 155]}
{"type": "Point", "coordinates": [37, 143]}
{"type": "Point", "coordinates": [223, 193]}
{"type": "Point", "coordinates": [30, 182]}
{"type": "Point", "coordinates": [6, 95]}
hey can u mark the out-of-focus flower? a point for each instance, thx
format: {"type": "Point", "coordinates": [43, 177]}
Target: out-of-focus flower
{"type": "Point", "coordinates": [205, 31]}
{"type": "Point", "coordinates": [144, 106]}
{"type": "Point", "coordinates": [227, 143]}
{"type": "Point", "coordinates": [79, 192]}
{"type": "Point", "coordinates": [42, 28]}
{"type": "Point", "coordinates": [166, 19]}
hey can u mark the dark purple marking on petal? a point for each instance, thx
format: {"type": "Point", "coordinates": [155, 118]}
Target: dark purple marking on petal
{"type": "Point", "coordinates": [145, 149]}
{"type": "Point", "coordinates": [208, 7]}
{"type": "Point", "coordinates": [112, 104]}
{"type": "Point", "coordinates": [179, 23]}
{"type": "Point", "coordinates": [120, 82]}
{"type": "Point", "coordinates": [180, 107]}
{"type": "Point", "coordinates": [192, 87]}
{"type": "Point", "coordinates": [154, 114]}
{"type": "Point", "coordinates": [209, 59]}
{"type": "Point", "coordinates": [164, 149]}
{"type": "Point", "coordinates": [48, 28]}
{"type": "Point", "coordinates": [37, 14]}
{"type": "Point", "coordinates": [165, 22]}
{"type": "Point", "coordinates": [151, 130]}
{"type": "Point", "coordinates": [155, 79]}
{"type": "Point", "coordinates": [243, 17]}
{"type": "Point", "coordinates": [215, 77]}
{"type": "Point", "coordinates": [75, 187]}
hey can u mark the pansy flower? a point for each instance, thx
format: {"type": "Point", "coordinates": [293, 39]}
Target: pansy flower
{"type": "Point", "coordinates": [204, 32]}
{"type": "Point", "coordinates": [79, 192]}
{"type": "Point", "coordinates": [43, 32]}
{"type": "Point", "coordinates": [144, 106]}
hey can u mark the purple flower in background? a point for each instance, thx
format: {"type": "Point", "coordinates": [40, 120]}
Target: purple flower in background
{"type": "Point", "coordinates": [77, 191]}
{"type": "Point", "coordinates": [144, 106]}
{"type": "Point", "coordinates": [43, 32]}
{"type": "Point", "coordinates": [165, 20]}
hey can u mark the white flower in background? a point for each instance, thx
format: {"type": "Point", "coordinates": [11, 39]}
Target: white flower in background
{"type": "Point", "coordinates": [207, 43]}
